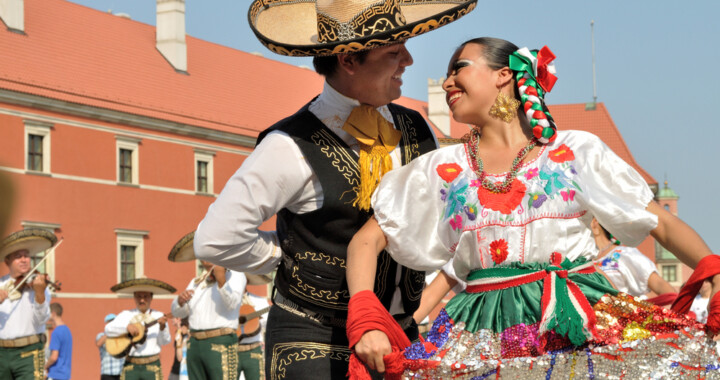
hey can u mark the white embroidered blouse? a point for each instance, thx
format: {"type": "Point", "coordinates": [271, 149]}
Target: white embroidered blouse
{"type": "Point", "coordinates": [628, 269]}
{"type": "Point", "coordinates": [548, 209]}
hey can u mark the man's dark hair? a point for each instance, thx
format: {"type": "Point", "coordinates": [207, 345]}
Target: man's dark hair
{"type": "Point", "coordinates": [327, 65]}
{"type": "Point", "coordinates": [56, 308]}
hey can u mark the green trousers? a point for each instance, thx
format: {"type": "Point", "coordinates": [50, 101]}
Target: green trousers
{"type": "Point", "coordinates": [213, 358]}
{"type": "Point", "coordinates": [149, 371]}
{"type": "Point", "coordinates": [23, 363]}
{"type": "Point", "coordinates": [251, 364]}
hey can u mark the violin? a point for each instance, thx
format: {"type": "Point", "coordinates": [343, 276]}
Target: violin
{"type": "Point", "coordinates": [24, 282]}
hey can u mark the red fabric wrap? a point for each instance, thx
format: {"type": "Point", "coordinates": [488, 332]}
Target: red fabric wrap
{"type": "Point", "coordinates": [706, 268]}
{"type": "Point", "coordinates": [663, 299]}
{"type": "Point", "coordinates": [366, 313]}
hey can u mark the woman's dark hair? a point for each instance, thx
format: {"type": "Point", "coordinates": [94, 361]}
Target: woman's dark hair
{"type": "Point", "coordinates": [496, 51]}
{"type": "Point", "coordinates": [327, 65]}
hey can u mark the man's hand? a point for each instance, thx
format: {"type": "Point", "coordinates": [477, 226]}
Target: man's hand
{"type": "Point", "coordinates": [162, 321]}
{"type": "Point", "coordinates": [185, 297]}
{"type": "Point", "coordinates": [372, 347]}
{"type": "Point", "coordinates": [3, 295]}
{"type": "Point", "coordinates": [39, 283]}
{"type": "Point", "coordinates": [133, 329]}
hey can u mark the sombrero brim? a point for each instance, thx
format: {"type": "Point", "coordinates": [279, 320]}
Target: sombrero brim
{"type": "Point", "coordinates": [289, 27]}
{"type": "Point", "coordinates": [35, 240]}
{"type": "Point", "coordinates": [258, 279]}
{"type": "Point", "coordinates": [183, 250]}
{"type": "Point", "coordinates": [143, 285]}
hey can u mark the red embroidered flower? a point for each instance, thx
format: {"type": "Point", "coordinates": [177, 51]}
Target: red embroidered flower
{"type": "Point", "coordinates": [499, 250]}
{"type": "Point", "coordinates": [503, 202]}
{"type": "Point", "coordinates": [561, 154]}
{"type": "Point", "coordinates": [448, 172]}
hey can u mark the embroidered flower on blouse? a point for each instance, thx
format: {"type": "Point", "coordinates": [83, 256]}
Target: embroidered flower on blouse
{"type": "Point", "coordinates": [456, 223]}
{"type": "Point", "coordinates": [503, 202]}
{"type": "Point", "coordinates": [531, 173]}
{"type": "Point", "coordinates": [561, 154]}
{"type": "Point", "coordinates": [568, 195]}
{"type": "Point", "coordinates": [471, 211]}
{"type": "Point", "coordinates": [499, 250]}
{"type": "Point", "coordinates": [536, 199]}
{"type": "Point", "coordinates": [448, 172]}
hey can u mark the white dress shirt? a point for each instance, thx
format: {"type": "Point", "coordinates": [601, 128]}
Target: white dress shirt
{"type": "Point", "coordinates": [155, 336]}
{"type": "Point", "coordinates": [23, 317]}
{"type": "Point", "coordinates": [275, 176]}
{"type": "Point", "coordinates": [211, 307]}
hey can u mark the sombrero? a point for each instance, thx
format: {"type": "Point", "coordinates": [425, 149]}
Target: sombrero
{"type": "Point", "coordinates": [328, 27]}
{"type": "Point", "coordinates": [35, 240]}
{"type": "Point", "coordinates": [183, 251]}
{"type": "Point", "coordinates": [143, 285]}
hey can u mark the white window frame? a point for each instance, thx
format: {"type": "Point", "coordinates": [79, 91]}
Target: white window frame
{"type": "Point", "coordinates": [134, 238]}
{"type": "Point", "coordinates": [131, 144]}
{"type": "Point", "coordinates": [207, 157]}
{"type": "Point", "coordinates": [39, 128]}
{"type": "Point", "coordinates": [51, 227]}
{"type": "Point", "coordinates": [678, 273]}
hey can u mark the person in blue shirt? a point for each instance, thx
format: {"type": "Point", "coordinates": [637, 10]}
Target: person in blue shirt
{"type": "Point", "coordinates": [110, 367]}
{"type": "Point", "coordinates": [59, 363]}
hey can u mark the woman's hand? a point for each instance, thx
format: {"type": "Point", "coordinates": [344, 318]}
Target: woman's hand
{"type": "Point", "coordinates": [371, 348]}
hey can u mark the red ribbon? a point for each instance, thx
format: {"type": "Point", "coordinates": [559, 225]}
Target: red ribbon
{"type": "Point", "coordinates": [545, 78]}
{"type": "Point", "coordinates": [365, 313]}
{"type": "Point", "coordinates": [706, 268]}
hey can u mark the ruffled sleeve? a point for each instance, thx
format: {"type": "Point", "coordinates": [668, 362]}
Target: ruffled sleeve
{"type": "Point", "coordinates": [407, 207]}
{"type": "Point", "coordinates": [613, 191]}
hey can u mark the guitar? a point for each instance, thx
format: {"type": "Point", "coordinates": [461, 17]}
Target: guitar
{"type": "Point", "coordinates": [120, 346]}
{"type": "Point", "coordinates": [249, 322]}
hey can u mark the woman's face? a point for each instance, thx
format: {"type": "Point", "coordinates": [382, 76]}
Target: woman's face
{"type": "Point", "coordinates": [471, 85]}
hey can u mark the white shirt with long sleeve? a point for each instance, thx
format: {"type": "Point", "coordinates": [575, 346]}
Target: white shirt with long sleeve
{"type": "Point", "coordinates": [211, 307]}
{"type": "Point", "coordinates": [23, 317]}
{"type": "Point", "coordinates": [155, 337]}
{"type": "Point", "coordinates": [275, 176]}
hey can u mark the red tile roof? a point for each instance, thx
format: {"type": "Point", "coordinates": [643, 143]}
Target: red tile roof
{"type": "Point", "coordinates": [80, 55]}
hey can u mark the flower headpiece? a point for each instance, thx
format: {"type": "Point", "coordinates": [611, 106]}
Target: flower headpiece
{"type": "Point", "coordinates": [535, 75]}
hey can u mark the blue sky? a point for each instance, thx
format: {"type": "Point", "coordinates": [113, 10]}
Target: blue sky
{"type": "Point", "coordinates": [654, 72]}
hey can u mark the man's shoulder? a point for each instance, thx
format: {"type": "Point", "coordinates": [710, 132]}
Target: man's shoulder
{"type": "Point", "coordinates": [286, 124]}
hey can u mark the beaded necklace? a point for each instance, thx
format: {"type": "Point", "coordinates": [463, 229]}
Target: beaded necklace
{"type": "Point", "coordinates": [473, 143]}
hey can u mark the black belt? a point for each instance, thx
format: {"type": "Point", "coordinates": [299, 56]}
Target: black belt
{"type": "Point", "coordinates": [278, 299]}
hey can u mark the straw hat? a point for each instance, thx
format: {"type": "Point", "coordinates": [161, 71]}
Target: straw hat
{"type": "Point", "coordinates": [35, 240]}
{"type": "Point", "coordinates": [183, 251]}
{"type": "Point", "coordinates": [143, 285]}
{"type": "Point", "coordinates": [329, 27]}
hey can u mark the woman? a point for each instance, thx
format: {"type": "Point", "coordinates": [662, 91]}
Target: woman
{"type": "Point", "coordinates": [627, 268]}
{"type": "Point", "coordinates": [512, 208]}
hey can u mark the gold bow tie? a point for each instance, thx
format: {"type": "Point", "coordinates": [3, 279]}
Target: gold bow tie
{"type": "Point", "coordinates": [377, 138]}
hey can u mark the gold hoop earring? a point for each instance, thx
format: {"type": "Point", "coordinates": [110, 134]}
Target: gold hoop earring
{"type": "Point", "coordinates": [505, 108]}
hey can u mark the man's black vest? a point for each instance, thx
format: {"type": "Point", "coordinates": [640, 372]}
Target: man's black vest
{"type": "Point", "coordinates": [314, 244]}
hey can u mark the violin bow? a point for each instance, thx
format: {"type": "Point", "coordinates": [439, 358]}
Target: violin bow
{"type": "Point", "coordinates": [47, 254]}
{"type": "Point", "coordinates": [204, 277]}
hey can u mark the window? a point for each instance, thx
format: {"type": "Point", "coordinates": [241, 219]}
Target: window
{"type": "Point", "coordinates": [127, 262]}
{"type": "Point", "coordinates": [37, 146]}
{"type": "Point", "coordinates": [204, 171]}
{"type": "Point", "coordinates": [127, 160]}
{"type": "Point", "coordinates": [130, 257]}
{"type": "Point", "coordinates": [669, 273]}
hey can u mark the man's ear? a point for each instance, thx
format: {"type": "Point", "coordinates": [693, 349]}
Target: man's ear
{"type": "Point", "coordinates": [347, 63]}
{"type": "Point", "coordinates": [504, 76]}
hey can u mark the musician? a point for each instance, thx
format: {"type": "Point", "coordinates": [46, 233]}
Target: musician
{"type": "Point", "coordinates": [143, 360]}
{"type": "Point", "coordinates": [24, 312]}
{"type": "Point", "coordinates": [212, 303]}
{"type": "Point", "coordinates": [251, 361]}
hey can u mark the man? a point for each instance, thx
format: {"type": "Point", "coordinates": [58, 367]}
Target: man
{"type": "Point", "coordinates": [25, 311]}
{"type": "Point", "coordinates": [253, 317]}
{"type": "Point", "coordinates": [212, 303]}
{"type": "Point", "coordinates": [317, 170]}
{"type": "Point", "coordinates": [59, 363]}
{"type": "Point", "coordinates": [143, 360]}
{"type": "Point", "coordinates": [110, 367]}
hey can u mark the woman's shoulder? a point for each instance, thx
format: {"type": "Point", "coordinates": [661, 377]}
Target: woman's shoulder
{"type": "Point", "coordinates": [575, 137]}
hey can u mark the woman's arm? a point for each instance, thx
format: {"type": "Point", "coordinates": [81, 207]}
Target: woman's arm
{"type": "Point", "coordinates": [658, 285]}
{"type": "Point", "coordinates": [680, 239]}
{"type": "Point", "coordinates": [433, 294]}
{"type": "Point", "coordinates": [362, 255]}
